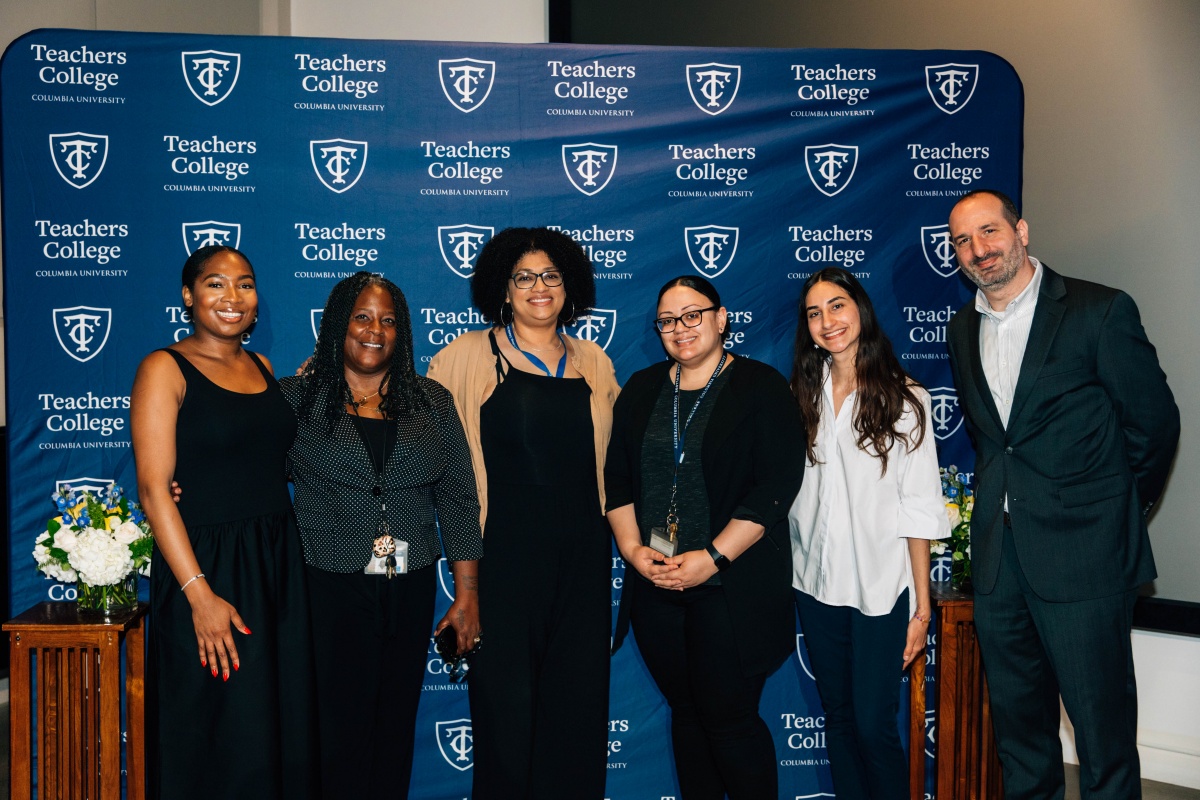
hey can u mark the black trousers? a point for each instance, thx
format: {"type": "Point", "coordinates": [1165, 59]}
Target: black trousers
{"type": "Point", "coordinates": [371, 637]}
{"type": "Point", "coordinates": [1033, 651]}
{"type": "Point", "coordinates": [689, 643]}
{"type": "Point", "coordinates": [856, 660]}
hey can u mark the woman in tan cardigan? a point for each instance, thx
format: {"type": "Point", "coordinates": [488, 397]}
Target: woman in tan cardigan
{"type": "Point", "coordinates": [537, 409]}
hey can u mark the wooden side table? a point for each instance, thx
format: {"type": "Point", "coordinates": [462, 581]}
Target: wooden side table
{"type": "Point", "coordinates": [967, 763]}
{"type": "Point", "coordinates": [78, 668]}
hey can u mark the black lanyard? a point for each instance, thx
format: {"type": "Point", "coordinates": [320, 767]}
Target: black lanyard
{"type": "Point", "coordinates": [678, 437]}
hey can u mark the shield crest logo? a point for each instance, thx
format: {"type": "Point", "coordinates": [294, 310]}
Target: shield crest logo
{"type": "Point", "coordinates": [456, 743]}
{"type": "Point", "coordinates": [466, 82]}
{"type": "Point", "coordinates": [711, 248]}
{"type": "Point", "coordinates": [930, 732]}
{"type": "Point", "coordinates": [713, 86]}
{"type": "Point", "coordinates": [938, 249]}
{"type": "Point", "coordinates": [314, 317]}
{"type": "Point", "coordinates": [93, 485]}
{"type": "Point", "coordinates": [210, 232]}
{"type": "Point", "coordinates": [830, 166]}
{"type": "Point", "coordinates": [589, 166]}
{"type": "Point", "coordinates": [595, 325]}
{"type": "Point", "coordinates": [460, 244]}
{"type": "Point", "coordinates": [951, 86]}
{"type": "Point", "coordinates": [339, 163]}
{"type": "Point", "coordinates": [82, 331]}
{"type": "Point", "coordinates": [802, 656]}
{"type": "Point", "coordinates": [210, 74]}
{"type": "Point", "coordinates": [947, 413]}
{"type": "Point", "coordinates": [445, 578]}
{"type": "Point", "coordinates": [79, 157]}
{"type": "Point", "coordinates": [940, 568]}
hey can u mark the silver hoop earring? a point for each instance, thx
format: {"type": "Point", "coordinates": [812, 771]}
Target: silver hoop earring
{"type": "Point", "coordinates": [567, 320]}
{"type": "Point", "coordinates": [510, 314]}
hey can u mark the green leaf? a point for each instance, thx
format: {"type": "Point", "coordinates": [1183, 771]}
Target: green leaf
{"type": "Point", "coordinates": [52, 526]}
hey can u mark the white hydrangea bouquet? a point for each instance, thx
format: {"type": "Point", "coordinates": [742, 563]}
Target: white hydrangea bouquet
{"type": "Point", "coordinates": [960, 504]}
{"type": "Point", "coordinates": [100, 541]}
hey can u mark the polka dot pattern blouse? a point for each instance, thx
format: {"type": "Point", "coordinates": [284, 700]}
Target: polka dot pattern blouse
{"type": "Point", "coordinates": [427, 482]}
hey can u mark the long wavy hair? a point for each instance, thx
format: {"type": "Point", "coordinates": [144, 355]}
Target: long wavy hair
{"type": "Point", "coordinates": [884, 388]}
{"type": "Point", "coordinates": [325, 375]}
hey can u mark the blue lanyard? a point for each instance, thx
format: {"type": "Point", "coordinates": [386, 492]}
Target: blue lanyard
{"type": "Point", "coordinates": [537, 362]}
{"type": "Point", "coordinates": [679, 435]}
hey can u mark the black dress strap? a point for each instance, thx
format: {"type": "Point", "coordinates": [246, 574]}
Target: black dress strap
{"type": "Point", "coordinates": [500, 371]}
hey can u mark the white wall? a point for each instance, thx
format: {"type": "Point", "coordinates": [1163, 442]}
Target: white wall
{"type": "Point", "coordinates": [520, 21]}
{"type": "Point", "coordinates": [1168, 678]}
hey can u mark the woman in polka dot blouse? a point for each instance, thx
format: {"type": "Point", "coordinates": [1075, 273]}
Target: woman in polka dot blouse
{"type": "Point", "coordinates": [380, 465]}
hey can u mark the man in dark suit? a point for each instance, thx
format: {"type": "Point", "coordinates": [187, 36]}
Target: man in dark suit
{"type": "Point", "coordinates": [1074, 430]}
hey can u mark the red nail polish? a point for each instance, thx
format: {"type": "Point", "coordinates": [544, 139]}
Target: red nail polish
{"type": "Point", "coordinates": [225, 677]}
{"type": "Point", "coordinates": [246, 630]}
{"type": "Point", "coordinates": [204, 662]}
{"type": "Point", "coordinates": [236, 666]}
{"type": "Point", "coordinates": [214, 671]}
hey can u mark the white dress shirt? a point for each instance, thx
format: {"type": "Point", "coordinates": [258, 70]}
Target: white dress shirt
{"type": "Point", "coordinates": [850, 525]}
{"type": "Point", "coordinates": [1003, 336]}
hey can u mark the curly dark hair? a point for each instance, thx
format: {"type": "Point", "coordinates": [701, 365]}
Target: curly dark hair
{"type": "Point", "coordinates": [196, 261]}
{"type": "Point", "coordinates": [703, 286]}
{"type": "Point", "coordinates": [495, 264]}
{"type": "Point", "coordinates": [325, 375]}
{"type": "Point", "coordinates": [884, 388]}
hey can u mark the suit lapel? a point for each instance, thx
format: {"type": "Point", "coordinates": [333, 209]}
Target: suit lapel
{"type": "Point", "coordinates": [980, 379]}
{"type": "Point", "coordinates": [1046, 318]}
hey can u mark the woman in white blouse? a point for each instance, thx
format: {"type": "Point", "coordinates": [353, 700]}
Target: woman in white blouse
{"type": "Point", "coordinates": [870, 501]}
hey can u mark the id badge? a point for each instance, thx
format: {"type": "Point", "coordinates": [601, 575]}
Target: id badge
{"type": "Point", "coordinates": [663, 543]}
{"type": "Point", "coordinates": [395, 552]}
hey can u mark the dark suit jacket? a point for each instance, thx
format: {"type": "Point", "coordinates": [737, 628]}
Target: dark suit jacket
{"type": "Point", "coordinates": [1089, 443]}
{"type": "Point", "coordinates": [753, 462]}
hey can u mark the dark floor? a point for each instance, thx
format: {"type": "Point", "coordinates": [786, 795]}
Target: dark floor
{"type": "Point", "coordinates": [1151, 790]}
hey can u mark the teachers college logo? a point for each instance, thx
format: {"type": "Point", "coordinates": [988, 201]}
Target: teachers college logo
{"type": "Point", "coordinates": [210, 74]}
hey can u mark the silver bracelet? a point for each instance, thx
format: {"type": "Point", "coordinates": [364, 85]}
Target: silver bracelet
{"type": "Point", "coordinates": [189, 582]}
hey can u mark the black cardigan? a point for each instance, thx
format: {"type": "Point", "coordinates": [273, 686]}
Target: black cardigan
{"type": "Point", "coordinates": [753, 462]}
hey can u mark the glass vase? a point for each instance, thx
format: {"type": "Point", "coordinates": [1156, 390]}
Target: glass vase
{"type": "Point", "coordinates": [106, 602]}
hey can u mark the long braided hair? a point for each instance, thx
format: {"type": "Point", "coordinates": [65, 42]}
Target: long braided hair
{"type": "Point", "coordinates": [325, 375]}
{"type": "Point", "coordinates": [884, 388]}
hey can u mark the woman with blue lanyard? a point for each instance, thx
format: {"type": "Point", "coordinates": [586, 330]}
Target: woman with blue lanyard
{"type": "Point", "coordinates": [537, 410]}
{"type": "Point", "coordinates": [705, 459]}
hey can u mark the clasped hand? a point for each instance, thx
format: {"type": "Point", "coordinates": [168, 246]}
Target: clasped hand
{"type": "Point", "coordinates": [677, 572]}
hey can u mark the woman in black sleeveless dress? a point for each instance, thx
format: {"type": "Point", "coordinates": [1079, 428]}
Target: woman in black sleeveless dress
{"type": "Point", "coordinates": [537, 410]}
{"type": "Point", "coordinates": [229, 700]}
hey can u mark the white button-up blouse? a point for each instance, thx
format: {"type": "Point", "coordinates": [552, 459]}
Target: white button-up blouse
{"type": "Point", "coordinates": [850, 524]}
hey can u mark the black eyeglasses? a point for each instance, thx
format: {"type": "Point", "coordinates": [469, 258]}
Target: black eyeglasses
{"type": "Point", "coordinates": [690, 320]}
{"type": "Point", "coordinates": [526, 280]}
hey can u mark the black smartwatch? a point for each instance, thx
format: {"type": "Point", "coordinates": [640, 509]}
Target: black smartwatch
{"type": "Point", "coordinates": [721, 561]}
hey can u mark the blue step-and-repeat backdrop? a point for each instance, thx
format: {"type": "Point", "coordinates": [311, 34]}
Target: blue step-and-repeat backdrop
{"type": "Point", "coordinates": [122, 153]}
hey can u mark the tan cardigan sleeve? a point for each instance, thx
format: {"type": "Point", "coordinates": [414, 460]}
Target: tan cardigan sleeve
{"type": "Point", "coordinates": [467, 368]}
